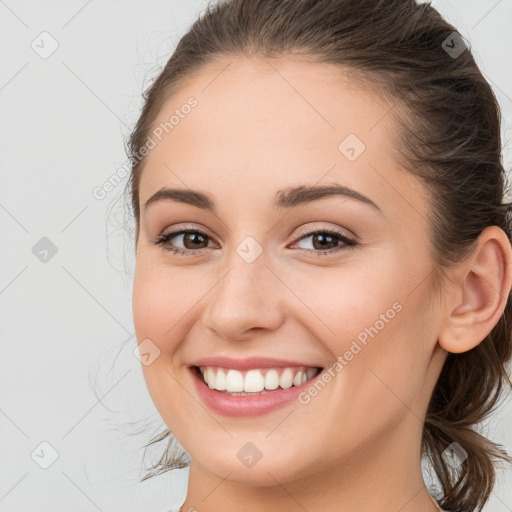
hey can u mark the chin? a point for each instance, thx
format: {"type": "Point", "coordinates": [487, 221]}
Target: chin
{"type": "Point", "coordinates": [263, 473]}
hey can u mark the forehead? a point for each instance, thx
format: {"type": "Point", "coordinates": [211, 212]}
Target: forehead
{"type": "Point", "coordinates": [247, 102]}
{"type": "Point", "coordinates": [260, 125]}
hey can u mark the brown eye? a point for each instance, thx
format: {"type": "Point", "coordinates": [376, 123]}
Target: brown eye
{"type": "Point", "coordinates": [326, 241]}
{"type": "Point", "coordinates": [193, 241]}
{"type": "Point", "coordinates": [321, 241]}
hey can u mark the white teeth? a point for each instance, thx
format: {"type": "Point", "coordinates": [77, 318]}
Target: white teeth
{"type": "Point", "coordinates": [220, 380]}
{"type": "Point", "coordinates": [256, 380]}
{"type": "Point", "coordinates": [271, 380]}
{"type": "Point", "coordinates": [234, 381]}
{"type": "Point", "coordinates": [286, 379]}
{"type": "Point", "coordinates": [297, 380]}
{"type": "Point", "coordinates": [210, 378]}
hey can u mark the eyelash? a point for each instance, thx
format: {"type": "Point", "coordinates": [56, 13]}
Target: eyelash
{"type": "Point", "coordinates": [162, 240]}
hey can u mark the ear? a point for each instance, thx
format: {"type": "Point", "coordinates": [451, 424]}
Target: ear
{"type": "Point", "coordinates": [478, 299]}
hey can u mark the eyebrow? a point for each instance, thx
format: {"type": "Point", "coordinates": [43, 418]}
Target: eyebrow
{"type": "Point", "coordinates": [287, 198]}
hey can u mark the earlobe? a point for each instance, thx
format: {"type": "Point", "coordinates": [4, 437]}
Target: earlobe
{"type": "Point", "coordinates": [478, 299]}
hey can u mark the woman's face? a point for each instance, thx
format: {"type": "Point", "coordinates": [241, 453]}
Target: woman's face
{"type": "Point", "coordinates": [257, 290]}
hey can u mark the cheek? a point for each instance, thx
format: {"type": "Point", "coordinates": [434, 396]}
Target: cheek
{"type": "Point", "coordinates": [373, 326]}
{"type": "Point", "coordinates": [161, 300]}
{"type": "Point", "coordinates": [390, 368]}
{"type": "Point", "coordinates": [340, 305]}
{"type": "Point", "coordinates": [159, 315]}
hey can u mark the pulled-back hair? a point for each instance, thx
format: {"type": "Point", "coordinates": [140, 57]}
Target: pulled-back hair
{"type": "Point", "coordinates": [448, 135]}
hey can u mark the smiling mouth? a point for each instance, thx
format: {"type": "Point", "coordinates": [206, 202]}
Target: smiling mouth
{"type": "Point", "coordinates": [255, 381]}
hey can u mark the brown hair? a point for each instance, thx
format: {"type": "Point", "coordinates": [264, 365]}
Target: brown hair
{"type": "Point", "coordinates": [449, 137]}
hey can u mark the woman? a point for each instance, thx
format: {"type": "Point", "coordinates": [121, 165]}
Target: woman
{"type": "Point", "coordinates": [324, 262]}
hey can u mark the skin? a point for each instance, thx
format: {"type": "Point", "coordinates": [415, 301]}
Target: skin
{"type": "Point", "coordinates": [356, 445]}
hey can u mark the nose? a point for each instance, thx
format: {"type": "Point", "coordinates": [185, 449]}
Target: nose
{"type": "Point", "coordinates": [247, 300]}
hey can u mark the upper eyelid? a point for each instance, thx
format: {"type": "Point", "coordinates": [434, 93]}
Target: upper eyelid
{"type": "Point", "coordinates": [321, 229]}
{"type": "Point", "coordinates": [302, 231]}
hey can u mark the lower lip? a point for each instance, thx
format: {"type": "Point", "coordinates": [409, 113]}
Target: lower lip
{"type": "Point", "coordinates": [249, 405]}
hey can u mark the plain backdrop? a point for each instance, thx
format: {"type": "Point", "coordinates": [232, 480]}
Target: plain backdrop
{"type": "Point", "coordinates": [72, 395]}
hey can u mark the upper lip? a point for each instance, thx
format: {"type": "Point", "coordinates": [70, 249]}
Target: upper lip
{"type": "Point", "coordinates": [249, 363]}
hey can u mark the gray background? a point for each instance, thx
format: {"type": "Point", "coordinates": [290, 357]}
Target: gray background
{"type": "Point", "coordinates": [68, 376]}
